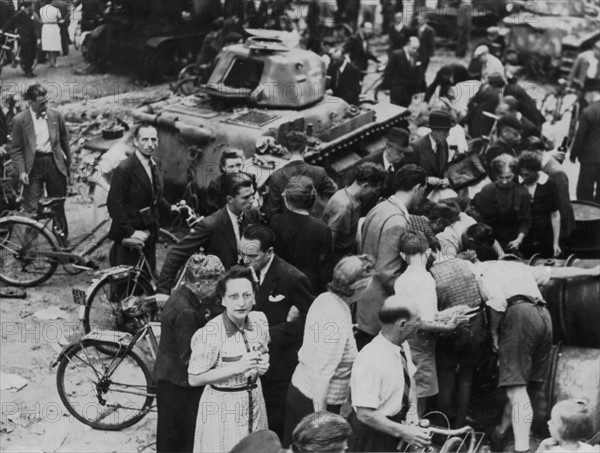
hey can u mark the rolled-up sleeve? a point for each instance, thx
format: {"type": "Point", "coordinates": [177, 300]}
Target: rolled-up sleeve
{"type": "Point", "coordinates": [365, 383]}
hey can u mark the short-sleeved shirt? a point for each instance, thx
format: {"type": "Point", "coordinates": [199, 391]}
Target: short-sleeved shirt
{"type": "Point", "coordinates": [342, 214]}
{"type": "Point", "coordinates": [377, 380]}
{"type": "Point", "coordinates": [501, 280]}
{"type": "Point", "coordinates": [419, 285]}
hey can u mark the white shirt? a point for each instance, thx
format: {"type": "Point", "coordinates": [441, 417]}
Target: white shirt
{"type": "Point", "coordinates": [42, 133]}
{"type": "Point", "coordinates": [419, 285]}
{"type": "Point", "coordinates": [236, 227]}
{"type": "Point", "coordinates": [433, 143]}
{"type": "Point", "coordinates": [500, 280]}
{"type": "Point", "coordinates": [377, 381]}
{"type": "Point", "coordinates": [145, 161]}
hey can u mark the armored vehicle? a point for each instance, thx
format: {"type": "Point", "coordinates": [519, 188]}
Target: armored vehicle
{"type": "Point", "coordinates": [547, 35]}
{"type": "Point", "coordinates": [256, 93]}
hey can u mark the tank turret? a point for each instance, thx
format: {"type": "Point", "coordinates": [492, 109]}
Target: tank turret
{"type": "Point", "coordinates": [256, 93]}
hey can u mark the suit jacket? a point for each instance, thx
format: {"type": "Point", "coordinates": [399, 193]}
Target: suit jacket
{"type": "Point", "coordinates": [130, 191]}
{"type": "Point", "coordinates": [434, 164]}
{"type": "Point", "coordinates": [215, 235]}
{"type": "Point", "coordinates": [346, 84]}
{"type": "Point", "coordinates": [401, 77]}
{"type": "Point", "coordinates": [556, 173]}
{"type": "Point", "coordinates": [399, 38]}
{"type": "Point", "coordinates": [283, 286]}
{"type": "Point", "coordinates": [382, 227]}
{"type": "Point", "coordinates": [359, 53]}
{"type": "Point", "coordinates": [258, 18]}
{"type": "Point", "coordinates": [23, 142]}
{"type": "Point", "coordinates": [280, 177]}
{"type": "Point", "coordinates": [585, 146]}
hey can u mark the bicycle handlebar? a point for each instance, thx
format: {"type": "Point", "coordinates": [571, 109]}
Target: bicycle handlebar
{"type": "Point", "coordinates": [191, 216]}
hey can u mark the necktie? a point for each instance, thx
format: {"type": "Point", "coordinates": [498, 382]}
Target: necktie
{"type": "Point", "coordinates": [155, 180]}
{"type": "Point", "coordinates": [241, 221]}
{"type": "Point", "coordinates": [405, 396]}
{"type": "Point", "coordinates": [439, 151]}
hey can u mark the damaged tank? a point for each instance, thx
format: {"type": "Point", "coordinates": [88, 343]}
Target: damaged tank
{"type": "Point", "coordinates": [256, 93]}
{"type": "Point", "coordinates": [547, 35]}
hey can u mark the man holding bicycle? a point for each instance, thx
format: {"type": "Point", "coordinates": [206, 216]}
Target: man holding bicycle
{"type": "Point", "coordinates": [135, 200]}
{"type": "Point", "coordinates": [28, 24]}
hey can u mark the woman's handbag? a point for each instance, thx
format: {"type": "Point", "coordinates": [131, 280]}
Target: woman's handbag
{"type": "Point", "coordinates": [466, 170]}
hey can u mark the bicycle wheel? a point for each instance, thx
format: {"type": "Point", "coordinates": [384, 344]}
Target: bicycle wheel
{"type": "Point", "coordinates": [26, 252]}
{"type": "Point", "coordinates": [107, 296]}
{"type": "Point", "coordinates": [103, 386]}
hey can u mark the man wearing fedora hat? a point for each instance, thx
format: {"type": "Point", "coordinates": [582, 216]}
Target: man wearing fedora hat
{"type": "Point", "coordinates": [431, 151]}
{"type": "Point", "coordinates": [397, 153]}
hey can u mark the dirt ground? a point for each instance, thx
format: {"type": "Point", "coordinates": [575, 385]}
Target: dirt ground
{"type": "Point", "coordinates": [33, 418]}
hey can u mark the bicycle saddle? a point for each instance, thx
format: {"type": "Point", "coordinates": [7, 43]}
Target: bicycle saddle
{"type": "Point", "coordinates": [51, 201]}
{"type": "Point", "coordinates": [133, 243]}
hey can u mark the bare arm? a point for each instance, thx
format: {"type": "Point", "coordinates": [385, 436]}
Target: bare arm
{"type": "Point", "coordinates": [555, 219]}
{"type": "Point", "coordinates": [375, 419]}
{"type": "Point", "coordinates": [562, 273]}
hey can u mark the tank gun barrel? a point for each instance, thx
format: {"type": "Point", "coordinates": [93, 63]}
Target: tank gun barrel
{"type": "Point", "coordinates": [196, 134]}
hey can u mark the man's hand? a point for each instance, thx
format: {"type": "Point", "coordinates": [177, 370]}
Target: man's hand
{"type": "Point", "coordinates": [557, 250]}
{"type": "Point", "coordinates": [435, 182]}
{"type": "Point", "coordinates": [142, 235]}
{"type": "Point", "coordinates": [414, 435]}
{"type": "Point", "coordinates": [514, 245]}
{"type": "Point", "coordinates": [495, 340]}
{"type": "Point", "coordinates": [25, 178]}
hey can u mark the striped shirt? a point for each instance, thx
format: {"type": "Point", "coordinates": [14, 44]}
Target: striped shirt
{"type": "Point", "coordinates": [328, 349]}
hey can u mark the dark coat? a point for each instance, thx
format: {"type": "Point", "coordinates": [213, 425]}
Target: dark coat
{"type": "Point", "coordinates": [399, 38]}
{"type": "Point", "coordinates": [448, 75]}
{"type": "Point", "coordinates": [23, 144]}
{"type": "Point", "coordinates": [258, 18]}
{"type": "Point", "coordinates": [402, 78]}
{"type": "Point", "coordinates": [130, 191]}
{"type": "Point", "coordinates": [434, 164]}
{"type": "Point", "coordinates": [585, 146]}
{"type": "Point", "coordinates": [557, 174]}
{"type": "Point", "coordinates": [359, 53]}
{"type": "Point", "coordinates": [346, 84]}
{"type": "Point", "coordinates": [284, 286]}
{"type": "Point", "coordinates": [28, 25]}
{"type": "Point", "coordinates": [215, 235]}
{"type": "Point", "coordinates": [280, 177]}
{"type": "Point", "coordinates": [427, 42]}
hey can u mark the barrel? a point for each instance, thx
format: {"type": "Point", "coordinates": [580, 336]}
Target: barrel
{"type": "Point", "coordinates": [573, 374]}
{"type": "Point", "coordinates": [585, 239]}
{"type": "Point", "coordinates": [574, 304]}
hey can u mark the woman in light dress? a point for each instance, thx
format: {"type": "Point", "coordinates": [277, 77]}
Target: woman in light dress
{"type": "Point", "coordinates": [51, 17]}
{"type": "Point", "coordinates": [228, 356]}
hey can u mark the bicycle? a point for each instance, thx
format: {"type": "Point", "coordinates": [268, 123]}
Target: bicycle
{"type": "Point", "coordinates": [118, 289]}
{"type": "Point", "coordinates": [10, 51]}
{"type": "Point", "coordinates": [105, 379]}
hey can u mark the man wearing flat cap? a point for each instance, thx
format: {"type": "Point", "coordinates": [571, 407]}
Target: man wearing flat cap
{"type": "Point", "coordinates": [431, 151]}
{"type": "Point", "coordinates": [509, 136]}
{"type": "Point", "coordinates": [489, 63]}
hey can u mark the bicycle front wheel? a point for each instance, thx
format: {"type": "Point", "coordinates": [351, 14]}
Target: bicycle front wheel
{"type": "Point", "coordinates": [104, 386]}
{"type": "Point", "coordinates": [105, 298]}
{"type": "Point", "coordinates": [27, 252]}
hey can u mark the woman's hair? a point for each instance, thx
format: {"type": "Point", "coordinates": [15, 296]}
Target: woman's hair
{"type": "Point", "coordinates": [443, 215]}
{"type": "Point", "coordinates": [229, 153]}
{"type": "Point", "coordinates": [501, 163]}
{"type": "Point", "coordinates": [201, 266]}
{"type": "Point", "coordinates": [236, 272]}
{"type": "Point", "coordinates": [300, 192]}
{"type": "Point", "coordinates": [575, 420]}
{"type": "Point", "coordinates": [480, 239]}
{"type": "Point", "coordinates": [348, 271]}
{"type": "Point", "coordinates": [529, 160]}
{"type": "Point", "coordinates": [413, 242]}
{"type": "Point", "coordinates": [320, 432]}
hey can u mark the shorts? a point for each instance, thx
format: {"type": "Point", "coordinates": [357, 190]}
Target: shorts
{"type": "Point", "coordinates": [465, 346]}
{"type": "Point", "coordinates": [525, 344]}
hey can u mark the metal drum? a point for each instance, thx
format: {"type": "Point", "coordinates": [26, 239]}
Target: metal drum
{"type": "Point", "coordinates": [574, 374]}
{"type": "Point", "coordinates": [574, 304]}
{"type": "Point", "coordinates": [585, 239]}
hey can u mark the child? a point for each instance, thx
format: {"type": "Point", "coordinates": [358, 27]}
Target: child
{"type": "Point", "coordinates": [417, 283]}
{"type": "Point", "coordinates": [570, 422]}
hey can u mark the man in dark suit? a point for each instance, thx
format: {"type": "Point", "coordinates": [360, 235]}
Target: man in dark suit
{"type": "Point", "coordinates": [399, 32]}
{"type": "Point", "coordinates": [396, 154]}
{"type": "Point", "coordinates": [403, 76]}
{"type": "Point", "coordinates": [431, 151]}
{"type": "Point", "coordinates": [284, 295]}
{"type": "Point", "coordinates": [28, 24]}
{"type": "Point", "coordinates": [509, 136]}
{"type": "Point", "coordinates": [219, 234]}
{"type": "Point", "coordinates": [40, 151]}
{"type": "Point", "coordinates": [585, 148]}
{"type": "Point", "coordinates": [135, 200]}
{"type": "Point", "coordinates": [346, 79]}
{"type": "Point", "coordinates": [426, 35]}
{"type": "Point", "coordinates": [447, 76]}
{"type": "Point", "coordinates": [296, 144]}
{"type": "Point", "coordinates": [357, 47]}
{"type": "Point", "coordinates": [260, 16]}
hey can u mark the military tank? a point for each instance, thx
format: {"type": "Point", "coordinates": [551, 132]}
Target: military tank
{"type": "Point", "coordinates": [255, 94]}
{"type": "Point", "coordinates": [547, 35]}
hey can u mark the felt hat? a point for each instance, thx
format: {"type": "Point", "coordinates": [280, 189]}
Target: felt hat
{"type": "Point", "coordinates": [397, 137]}
{"type": "Point", "coordinates": [439, 119]}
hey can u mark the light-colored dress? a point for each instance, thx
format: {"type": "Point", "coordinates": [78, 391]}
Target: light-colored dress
{"type": "Point", "coordinates": [223, 416]}
{"type": "Point", "coordinates": [50, 16]}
